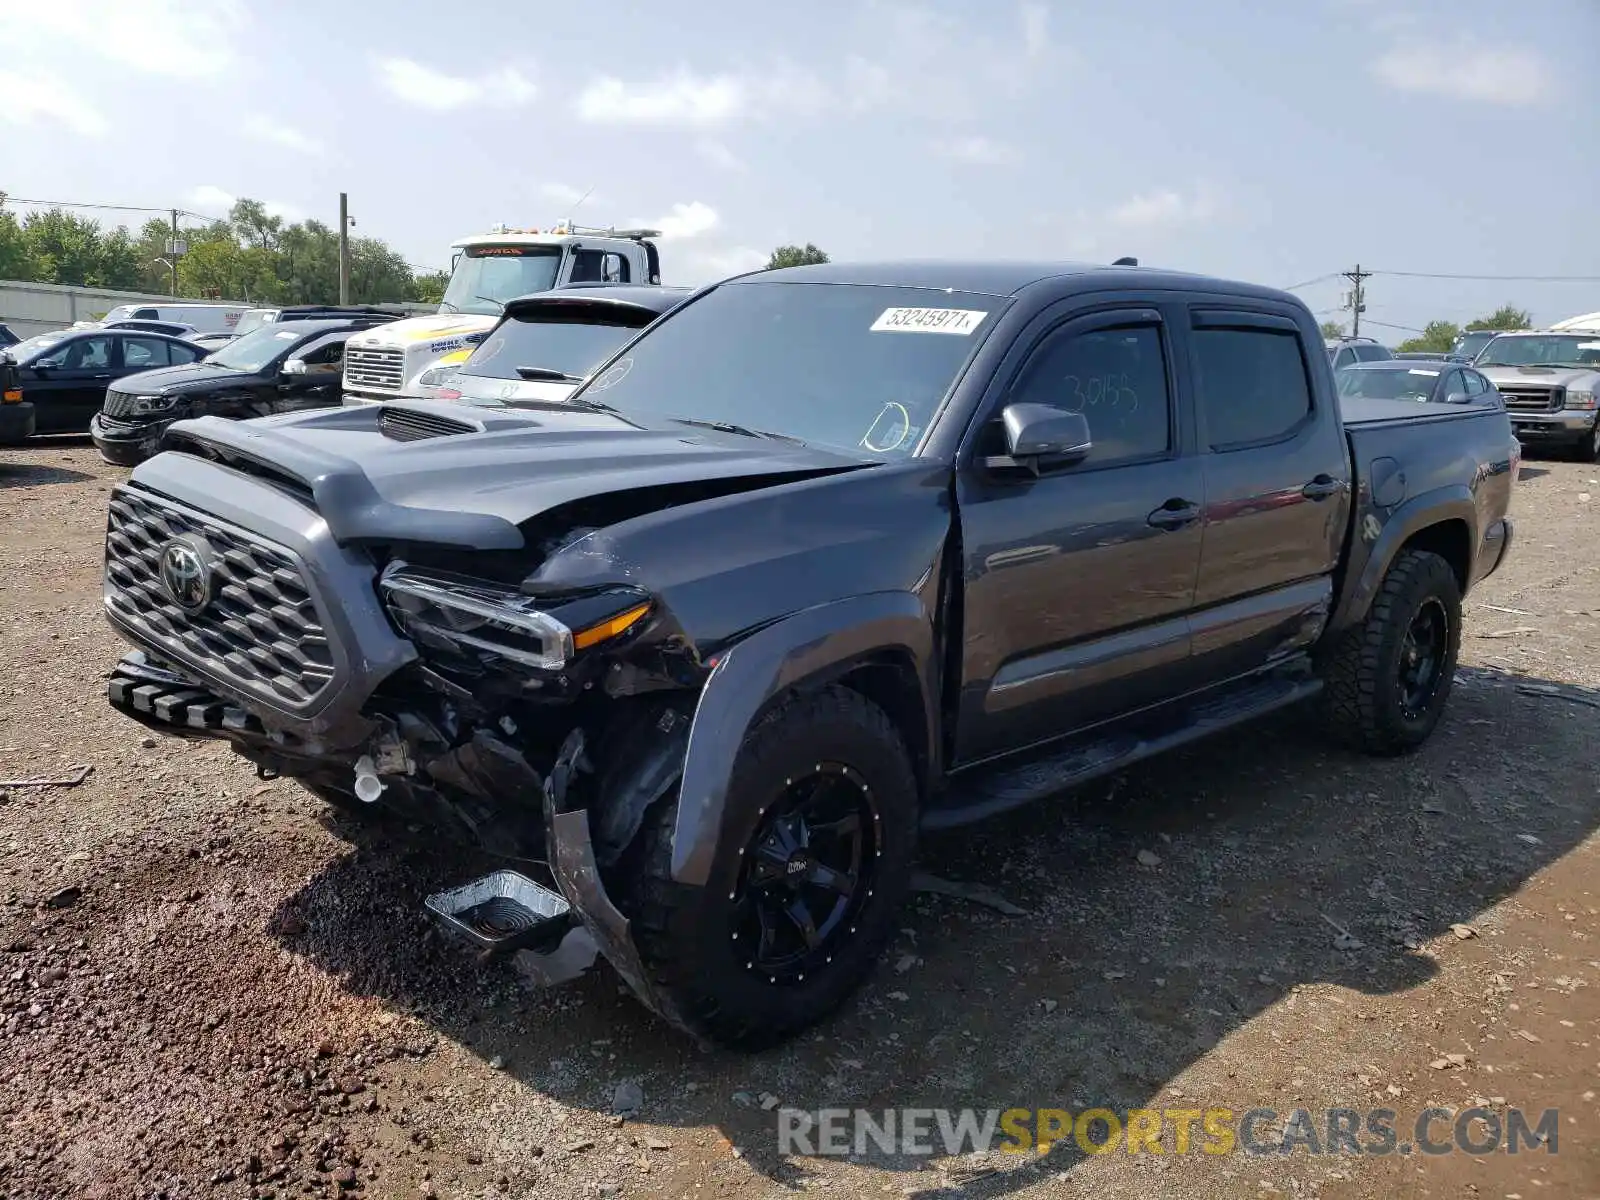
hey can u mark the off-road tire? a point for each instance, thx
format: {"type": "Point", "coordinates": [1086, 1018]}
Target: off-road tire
{"type": "Point", "coordinates": [681, 932]}
{"type": "Point", "coordinates": [1360, 699]}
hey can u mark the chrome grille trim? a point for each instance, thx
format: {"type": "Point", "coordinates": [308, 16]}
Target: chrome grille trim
{"type": "Point", "coordinates": [376, 368]}
{"type": "Point", "coordinates": [262, 634]}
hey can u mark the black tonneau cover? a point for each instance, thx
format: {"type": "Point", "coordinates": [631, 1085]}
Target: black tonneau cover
{"type": "Point", "coordinates": [1364, 410]}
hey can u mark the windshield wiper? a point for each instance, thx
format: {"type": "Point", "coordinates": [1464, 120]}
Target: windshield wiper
{"type": "Point", "coordinates": [499, 304]}
{"type": "Point", "coordinates": [740, 430]}
{"type": "Point", "coordinates": [451, 305]}
{"type": "Point", "coordinates": [548, 373]}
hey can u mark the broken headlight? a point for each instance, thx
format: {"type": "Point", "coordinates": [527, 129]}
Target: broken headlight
{"type": "Point", "coordinates": [480, 616]}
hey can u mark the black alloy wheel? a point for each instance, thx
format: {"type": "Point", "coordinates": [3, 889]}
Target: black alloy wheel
{"type": "Point", "coordinates": [1422, 657]}
{"type": "Point", "coordinates": [808, 868]}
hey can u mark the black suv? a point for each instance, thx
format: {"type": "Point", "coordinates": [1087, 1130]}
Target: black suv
{"type": "Point", "coordinates": [277, 368]}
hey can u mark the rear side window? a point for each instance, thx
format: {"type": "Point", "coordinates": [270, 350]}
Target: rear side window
{"type": "Point", "coordinates": [1253, 385]}
{"type": "Point", "coordinates": [567, 341]}
{"type": "Point", "coordinates": [139, 354]}
{"type": "Point", "coordinates": [1117, 378]}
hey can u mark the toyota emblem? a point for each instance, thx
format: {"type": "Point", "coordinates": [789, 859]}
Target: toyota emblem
{"type": "Point", "coordinates": [186, 573]}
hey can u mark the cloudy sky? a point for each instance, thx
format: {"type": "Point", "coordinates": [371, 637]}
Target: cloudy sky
{"type": "Point", "coordinates": [1276, 142]}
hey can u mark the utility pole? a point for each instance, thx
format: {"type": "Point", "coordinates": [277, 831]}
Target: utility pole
{"type": "Point", "coordinates": [172, 253]}
{"type": "Point", "coordinates": [1357, 300]}
{"type": "Point", "coordinates": [344, 248]}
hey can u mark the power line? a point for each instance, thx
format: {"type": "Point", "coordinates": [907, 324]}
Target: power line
{"type": "Point", "coordinates": [1497, 278]}
{"type": "Point", "coordinates": [182, 212]}
{"type": "Point", "coordinates": [1295, 287]}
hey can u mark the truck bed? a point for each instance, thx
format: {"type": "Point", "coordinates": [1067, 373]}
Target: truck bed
{"type": "Point", "coordinates": [1362, 410]}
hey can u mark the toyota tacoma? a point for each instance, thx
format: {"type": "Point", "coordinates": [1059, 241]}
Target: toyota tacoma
{"type": "Point", "coordinates": [823, 558]}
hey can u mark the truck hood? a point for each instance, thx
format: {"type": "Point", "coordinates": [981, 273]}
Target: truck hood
{"type": "Point", "coordinates": [447, 474]}
{"type": "Point", "coordinates": [441, 328]}
{"type": "Point", "coordinates": [190, 377]}
{"type": "Point", "coordinates": [1552, 377]}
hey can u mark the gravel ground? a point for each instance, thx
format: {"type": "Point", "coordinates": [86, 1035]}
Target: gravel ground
{"type": "Point", "coordinates": [211, 985]}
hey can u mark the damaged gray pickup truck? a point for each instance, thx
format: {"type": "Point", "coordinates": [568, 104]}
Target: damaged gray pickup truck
{"type": "Point", "coordinates": [826, 557]}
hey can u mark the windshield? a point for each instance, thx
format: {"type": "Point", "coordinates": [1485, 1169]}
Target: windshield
{"type": "Point", "coordinates": [553, 345]}
{"type": "Point", "coordinates": [1382, 384]}
{"type": "Point", "coordinates": [28, 349]}
{"type": "Point", "coordinates": [255, 350]}
{"type": "Point", "coordinates": [850, 366]}
{"type": "Point", "coordinates": [1552, 350]}
{"type": "Point", "coordinates": [1472, 341]}
{"type": "Point", "coordinates": [253, 320]}
{"type": "Point", "coordinates": [487, 276]}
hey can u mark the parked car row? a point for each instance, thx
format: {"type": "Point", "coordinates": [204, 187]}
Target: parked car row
{"type": "Point", "coordinates": [1548, 381]}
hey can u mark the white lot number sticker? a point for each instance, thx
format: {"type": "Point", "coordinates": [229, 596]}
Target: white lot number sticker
{"type": "Point", "coordinates": [929, 320]}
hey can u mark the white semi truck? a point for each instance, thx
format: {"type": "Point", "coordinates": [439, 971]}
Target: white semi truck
{"type": "Point", "coordinates": [413, 357]}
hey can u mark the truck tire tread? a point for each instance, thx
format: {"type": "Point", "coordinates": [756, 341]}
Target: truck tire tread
{"type": "Point", "coordinates": [667, 917]}
{"type": "Point", "coordinates": [1357, 700]}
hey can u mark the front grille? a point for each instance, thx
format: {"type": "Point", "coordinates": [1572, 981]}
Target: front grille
{"type": "Point", "coordinates": [261, 632]}
{"type": "Point", "coordinates": [375, 367]}
{"type": "Point", "coordinates": [1532, 399]}
{"type": "Point", "coordinates": [117, 404]}
{"type": "Point", "coordinates": [408, 425]}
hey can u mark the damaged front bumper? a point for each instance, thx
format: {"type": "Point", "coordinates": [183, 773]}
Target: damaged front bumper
{"type": "Point", "coordinates": [126, 443]}
{"type": "Point", "coordinates": [160, 698]}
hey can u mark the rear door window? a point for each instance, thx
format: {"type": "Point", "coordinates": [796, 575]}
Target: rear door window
{"type": "Point", "coordinates": [1253, 385]}
{"type": "Point", "coordinates": [142, 354]}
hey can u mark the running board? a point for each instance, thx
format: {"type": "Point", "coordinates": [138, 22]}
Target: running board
{"type": "Point", "coordinates": [1009, 784]}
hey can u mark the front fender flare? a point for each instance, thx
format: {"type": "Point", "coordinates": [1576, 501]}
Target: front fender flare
{"type": "Point", "coordinates": [802, 646]}
{"type": "Point", "coordinates": [1453, 503]}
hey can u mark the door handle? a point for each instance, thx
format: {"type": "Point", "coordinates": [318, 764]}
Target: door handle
{"type": "Point", "coordinates": [1175, 514]}
{"type": "Point", "coordinates": [102, 376]}
{"type": "Point", "coordinates": [1322, 487]}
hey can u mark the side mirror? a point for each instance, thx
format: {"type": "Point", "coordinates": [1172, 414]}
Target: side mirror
{"type": "Point", "coordinates": [1041, 435]}
{"type": "Point", "coordinates": [1456, 398]}
{"type": "Point", "coordinates": [41, 372]}
{"type": "Point", "coordinates": [295, 366]}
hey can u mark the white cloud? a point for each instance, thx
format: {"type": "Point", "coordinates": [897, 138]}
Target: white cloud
{"type": "Point", "coordinates": [211, 201]}
{"type": "Point", "coordinates": [425, 87]}
{"type": "Point", "coordinates": [684, 221]}
{"type": "Point", "coordinates": [564, 194]}
{"type": "Point", "coordinates": [1035, 29]}
{"type": "Point", "coordinates": [1164, 208]}
{"type": "Point", "coordinates": [267, 130]}
{"type": "Point", "coordinates": [1462, 71]}
{"type": "Point", "coordinates": [977, 150]}
{"type": "Point", "coordinates": [33, 97]}
{"type": "Point", "coordinates": [183, 39]}
{"type": "Point", "coordinates": [718, 155]}
{"type": "Point", "coordinates": [708, 266]}
{"type": "Point", "coordinates": [682, 99]}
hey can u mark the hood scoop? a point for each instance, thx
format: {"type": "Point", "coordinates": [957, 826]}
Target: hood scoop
{"type": "Point", "coordinates": [414, 425]}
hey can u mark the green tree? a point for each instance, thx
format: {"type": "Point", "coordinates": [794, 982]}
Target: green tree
{"type": "Point", "coordinates": [1332, 329]}
{"type": "Point", "coordinates": [1436, 338]}
{"type": "Point", "coordinates": [429, 288]}
{"type": "Point", "coordinates": [61, 247]}
{"type": "Point", "coordinates": [377, 273]}
{"type": "Point", "coordinates": [120, 266]}
{"type": "Point", "coordinates": [1507, 316]}
{"type": "Point", "coordinates": [796, 256]}
{"type": "Point", "coordinates": [14, 260]}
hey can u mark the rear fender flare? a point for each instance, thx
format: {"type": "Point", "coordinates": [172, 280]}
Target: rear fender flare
{"type": "Point", "coordinates": [1453, 503]}
{"type": "Point", "coordinates": [815, 642]}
